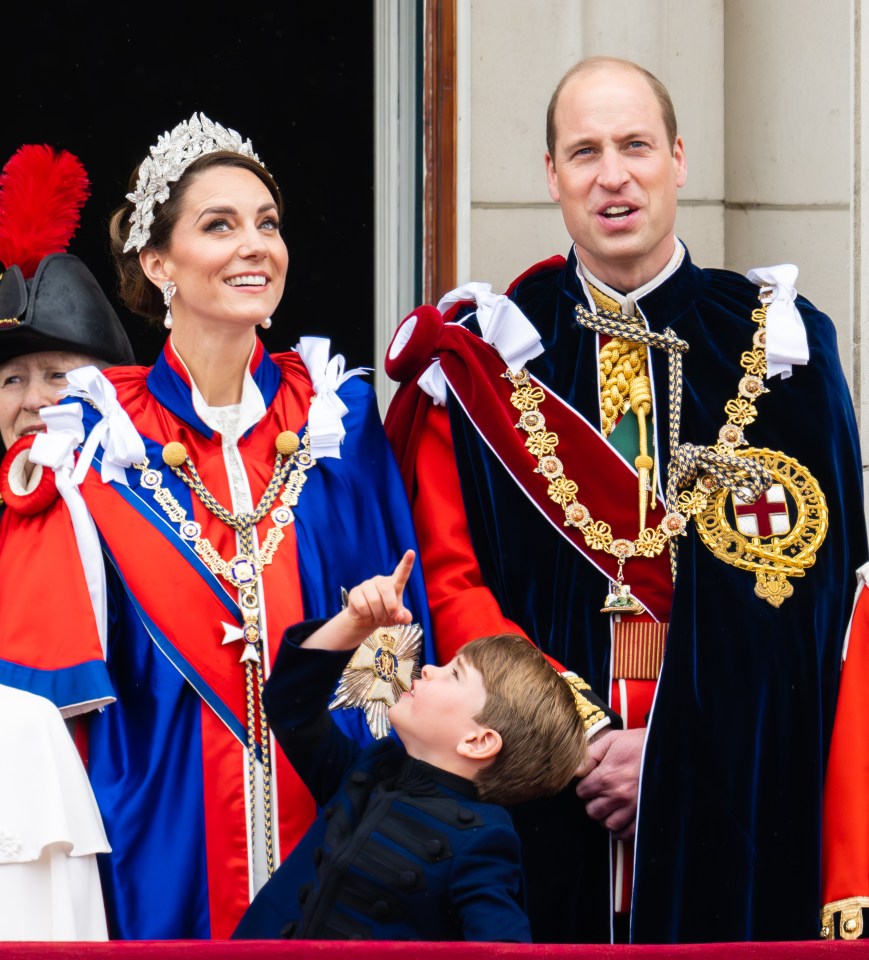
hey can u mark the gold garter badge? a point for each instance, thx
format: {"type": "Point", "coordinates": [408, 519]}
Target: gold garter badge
{"type": "Point", "coordinates": [775, 533]}
{"type": "Point", "coordinates": [777, 536]}
{"type": "Point", "coordinates": [756, 509]}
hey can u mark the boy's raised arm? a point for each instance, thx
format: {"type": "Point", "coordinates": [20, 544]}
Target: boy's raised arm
{"type": "Point", "coordinates": [374, 603]}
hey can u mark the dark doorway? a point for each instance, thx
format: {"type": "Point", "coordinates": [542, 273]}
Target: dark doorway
{"type": "Point", "coordinates": [296, 78]}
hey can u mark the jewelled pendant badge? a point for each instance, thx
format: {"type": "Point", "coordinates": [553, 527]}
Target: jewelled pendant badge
{"type": "Point", "coordinates": [383, 667]}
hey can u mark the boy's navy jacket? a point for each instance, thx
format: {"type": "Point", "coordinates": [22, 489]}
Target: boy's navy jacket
{"type": "Point", "coordinates": [400, 850]}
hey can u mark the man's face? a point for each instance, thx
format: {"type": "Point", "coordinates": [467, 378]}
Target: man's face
{"type": "Point", "coordinates": [28, 383]}
{"type": "Point", "coordinates": [615, 175]}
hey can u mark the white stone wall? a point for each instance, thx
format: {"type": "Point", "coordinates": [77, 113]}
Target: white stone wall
{"type": "Point", "coordinates": [518, 51]}
{"type": "Point", "coordinates": [787, 145]}
{"type": "Point", "coordinates": [769, 96]}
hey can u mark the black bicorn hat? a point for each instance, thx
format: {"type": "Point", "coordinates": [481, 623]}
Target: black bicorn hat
{"type": "Point", "coordinates": [49, 299]}
{"type": "Point", "coordinates": [62, 307]}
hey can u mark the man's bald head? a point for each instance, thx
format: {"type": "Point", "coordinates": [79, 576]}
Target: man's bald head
{"type": "Point", "coordinates": [590, 64]}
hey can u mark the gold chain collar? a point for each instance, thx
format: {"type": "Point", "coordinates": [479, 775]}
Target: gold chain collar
{"type": "Point", "coordinates": [598, 534]}
{"type": "Point", "coordinates": [243, 572]}
{"type": "Point", "coordinates": [720, 463]}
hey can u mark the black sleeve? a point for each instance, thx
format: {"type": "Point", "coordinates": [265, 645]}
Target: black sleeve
{"type": "Point", "coordinates": [595, 712]}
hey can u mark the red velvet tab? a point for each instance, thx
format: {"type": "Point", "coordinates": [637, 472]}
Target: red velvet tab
{"type": "Point", "coordinates": [474, 371]}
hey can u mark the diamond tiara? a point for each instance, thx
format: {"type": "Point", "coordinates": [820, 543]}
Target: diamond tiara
{"type": "Point", "coordinates": [168, 160]}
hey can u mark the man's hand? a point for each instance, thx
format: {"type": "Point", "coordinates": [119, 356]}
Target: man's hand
{"type": "Point", "coordinates": [610, 780]}
{"type": "Point", "coordinates": [378, 602]}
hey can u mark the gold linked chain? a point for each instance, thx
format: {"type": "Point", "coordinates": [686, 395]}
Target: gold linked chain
{"type": "Point", "coordinates": [243, 572]}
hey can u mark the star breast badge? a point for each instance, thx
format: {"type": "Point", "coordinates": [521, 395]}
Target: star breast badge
{"type": "Point", "coordinates": [383, 667]}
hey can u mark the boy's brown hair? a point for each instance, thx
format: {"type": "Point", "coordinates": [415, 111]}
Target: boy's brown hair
{"type": "Point", "coordinates": [533, 708]}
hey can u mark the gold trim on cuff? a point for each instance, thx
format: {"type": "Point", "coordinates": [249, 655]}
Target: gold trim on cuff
{"type": "Point", "coordinates": [850, 913]}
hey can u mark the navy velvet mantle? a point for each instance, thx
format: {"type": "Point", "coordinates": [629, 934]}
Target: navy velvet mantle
{"type": "Point", "coordinates": [729, 822]}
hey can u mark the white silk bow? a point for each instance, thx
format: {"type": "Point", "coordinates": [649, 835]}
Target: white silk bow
{"type": "Point", "coordinates": [786, 342]}
{"type": "Point", "coordinates": [122, 445]}
{"type": "Point", "coordinates": [55, 449]}
{"type": "Point", "coordinates": [64, 432]}
{"type": "Point", "coordinates": [325, 429]}
{"type": "Point", "coordinates": [502, 324]}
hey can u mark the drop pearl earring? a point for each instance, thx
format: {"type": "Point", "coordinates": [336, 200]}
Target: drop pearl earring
{"type": "Point", "coordinates": [169, 290]}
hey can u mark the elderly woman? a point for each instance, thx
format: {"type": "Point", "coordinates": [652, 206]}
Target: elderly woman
{"type": "Point", "coordinates": [202, 505]}
{"type": "Point", "coordinates": [56, 318]}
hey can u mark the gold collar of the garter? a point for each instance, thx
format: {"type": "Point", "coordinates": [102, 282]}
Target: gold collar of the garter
{"type": "Point", "coordinates": [728, 476]}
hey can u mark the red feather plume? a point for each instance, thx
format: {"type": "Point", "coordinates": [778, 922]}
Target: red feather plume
{"type": "Point", "coordinates": [42, 192]}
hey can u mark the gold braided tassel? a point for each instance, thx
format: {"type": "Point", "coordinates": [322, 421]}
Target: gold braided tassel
{"type": "Point", "coordinates": [624, 385]}
{"type": "Point", "coordinates": [620, 362]}
{"type": "Point", "coordinates": [641, 404]}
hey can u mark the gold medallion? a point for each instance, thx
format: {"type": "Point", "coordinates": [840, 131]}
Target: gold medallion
{"type": "Point", "coordinates": [777, 536]}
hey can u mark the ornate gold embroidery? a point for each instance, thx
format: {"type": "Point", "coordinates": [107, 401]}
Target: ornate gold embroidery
{"type": "Point", "coordinates": [850, 913]}
{"type": "Point", "coordinates": [589, 712]}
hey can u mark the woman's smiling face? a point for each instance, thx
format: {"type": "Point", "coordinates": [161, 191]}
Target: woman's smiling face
{"type": "Point", "coordinates": [226, 257]}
